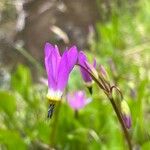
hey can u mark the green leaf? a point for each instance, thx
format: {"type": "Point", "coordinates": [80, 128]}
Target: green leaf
{"type": "Point", "coordinates": [7, 102]}
{"type": "Point", "coordinates": [21, 80]}
{"type": "Point", "coordinates": [146, 146]}
{"type": "Point", "coordinates": [12, 140]}
{"type": "Point", "coordinates": [43, 131]}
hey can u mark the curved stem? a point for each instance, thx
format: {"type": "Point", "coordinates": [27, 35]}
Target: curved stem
{"type": "Point", "coordinates": [119, 116]}
{"type": "Point", "coordinates": [121, 122]}
{"type": "Point", "coordinates": [93, 77]}
{"type": "Point", "coordinates": [114, 87]}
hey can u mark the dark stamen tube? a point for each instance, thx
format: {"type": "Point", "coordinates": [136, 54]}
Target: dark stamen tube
{"type": "Point", "coordinates": [50, 110]}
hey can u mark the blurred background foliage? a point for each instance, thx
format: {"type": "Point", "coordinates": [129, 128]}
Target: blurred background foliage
{"type": "Point", "coordinates": [118, 39]}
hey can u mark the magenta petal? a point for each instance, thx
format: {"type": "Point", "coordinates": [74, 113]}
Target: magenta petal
{"type": "Point", "coordinates": [77, 100]}
{"type": "Point", "coordinates": [58, 68]}
{"type": "Point", "coordinates": [57, 51]}
{"type": "Point", "coordinates": [52, 60]}
{"type": "Point", "coordinates": [81, 60]}
{"type": "Point", "coordinates": [55, 60]}
{"type": "Point", "coordinates": [48, 49]}
{"type": "Point", "coordinates": [72, 56]}
{"type": "Point", "coordinates": [63, 72]}
{"type": "Point", "coordinates": [67, 63]}
{"type": "Point", "coordinates": [48, 64]}
{"type": "Point", "coordinates": [80, 99]}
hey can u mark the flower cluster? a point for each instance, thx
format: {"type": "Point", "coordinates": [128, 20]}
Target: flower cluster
{"type": "Point", "coordinates": [58, 69]}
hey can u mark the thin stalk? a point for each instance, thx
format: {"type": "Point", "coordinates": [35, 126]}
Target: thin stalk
{"type": "Point", "coordinates": [93, 77]}
{"type": "Point", "coordinates": [76, 114]}
{"type": "Point", "coordinates": [103, 82]}
{"type": "Point", "coordinates": [114, 87]}
{"type": "Point", "coordinates": [124, 129]}
{"type": "Point", "coordinates": [121, 122]}
{"type": "Point", "coordinates": [54, 126]}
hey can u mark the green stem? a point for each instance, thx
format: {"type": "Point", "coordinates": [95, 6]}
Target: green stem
{"type": "Point", "coordinates": [76, 114]}
{"type": "Point", "coordinates": [54, 126]}
{"type": "Point", "coordinates": [119, 116]}
{"type": "Point", "coordinates": [121, 122]}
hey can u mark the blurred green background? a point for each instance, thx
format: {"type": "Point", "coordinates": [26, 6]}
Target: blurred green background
{"type": "Point", "coordinates": [116, 33]}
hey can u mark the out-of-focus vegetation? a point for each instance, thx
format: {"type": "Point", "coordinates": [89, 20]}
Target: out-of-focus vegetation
{"type": "Point", "coordinates": [122, 45]}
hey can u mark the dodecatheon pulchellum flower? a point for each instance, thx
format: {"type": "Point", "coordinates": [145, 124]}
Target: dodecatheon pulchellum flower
{"type": "Point", "coordinates": [126, 115]}
{"type": "Point", "coordinates": [83, 62]}
{"type": "Point", "coordinates": [58, 69]}
{"type": "Point", "coordinates": [78, 100]}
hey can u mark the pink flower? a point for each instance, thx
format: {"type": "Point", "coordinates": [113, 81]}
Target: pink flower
{"type": "Point", "coordinates": [83, 62]}
{"type": "Point", "coordinates": [58, 69]}
{"type": "Point", "coordinates": [78, 100]}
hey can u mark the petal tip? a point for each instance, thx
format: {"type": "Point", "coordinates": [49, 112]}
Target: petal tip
{"type": "Point", "coordinates": [48, 47]}
{"type": "Point", "coordinates": [74, 49]}
{"type": "Point", "coordinates": [48, 44]}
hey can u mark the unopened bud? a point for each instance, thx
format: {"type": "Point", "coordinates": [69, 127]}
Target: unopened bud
{"type": "Point", "coordinates": [125, 110]}
{"type": "Point", "coordinates": [92, 69]}
{"type": "Point", "coordinates": [103, 72]}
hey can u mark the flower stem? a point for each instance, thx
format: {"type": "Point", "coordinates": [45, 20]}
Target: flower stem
{"type": "Point", "coordinates": [54, 126]}
{"type": "Point", "coordinates": [121, 122]}
{"type": "Point", "coordinates": [76, 114]}
{"type": "Point", "coordinates": [108, 92]}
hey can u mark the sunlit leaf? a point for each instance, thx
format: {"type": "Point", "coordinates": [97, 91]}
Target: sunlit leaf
{"type": "Point", "coordinates": [11, 140]}
{"type": "Point", "coordinates": [21, 80]}
{"type": "Point", "coordinates": [7, 102]}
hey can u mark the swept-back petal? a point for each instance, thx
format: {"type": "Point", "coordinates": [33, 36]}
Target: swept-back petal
{"type": "Point", "coordinates": [52, 60]}
{"type": "Point", "coordinates": [81, 60]}
{"type": "Point", "coordinates": [55, 60]}
{"type": "Point", "coordinates": [57, 51]}
{"type": "Point", "coordinates": [48, 50]}
{"type": "Point", "coordinates": [63, 72]}
{"type": "Point", "coordinates": [72, 56]}
{"type": "Point", "coordinates": [66, 65]}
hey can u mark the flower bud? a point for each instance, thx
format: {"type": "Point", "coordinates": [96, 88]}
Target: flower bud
{"type": "Point", "coordinates": [92, 69]}
{"type": "Point", "coordinates": [126, 115]}
{"type": "Point", "coordinates": [103, 71]}
{"type": "Point", "coordinates": [86, 69]}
